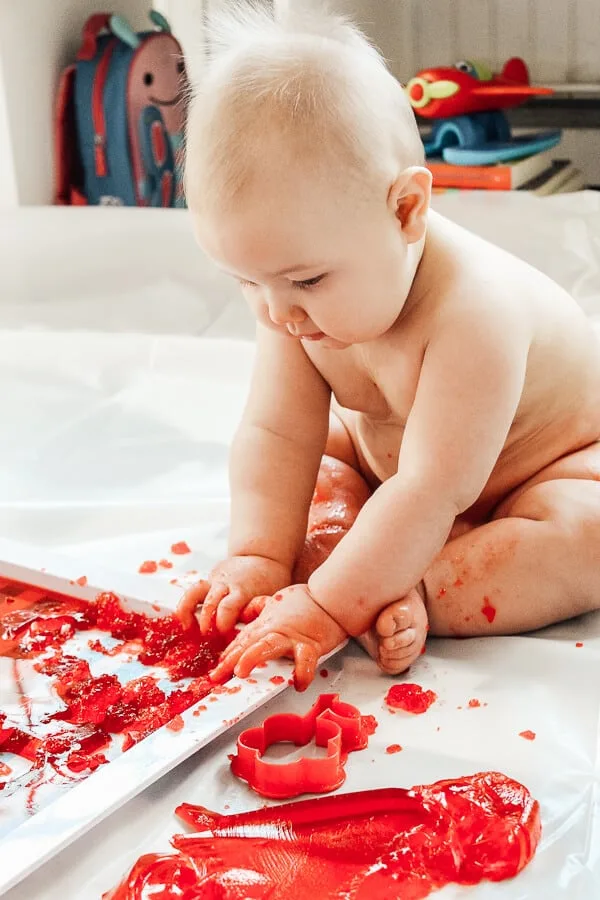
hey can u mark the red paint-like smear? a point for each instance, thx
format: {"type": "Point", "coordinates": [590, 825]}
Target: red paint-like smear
{"type": "Point", "coordinates": [277, 679]}
{"type": "Point", "coordinates": [579, 644]}
{"type": "Point", "coordinates": [393, 748]}
{"type": "Point", "coordinates": [474, 703]}
{"type": "Point", "coordinates": [165, 564]}
{"type": "Point", "coordinates": [180, 548]}
{"type": "Point", "coordinates": [410, 697]}
{"type": "Point", "coordinates": [35, 622]}
{"type": "Point", "coordinates": [176, 723]}
{"type": "Point", "coordinates": [148, 567]}
{"type": "Point", "coordinates": [389, 844]}
{"type": "Point", "coordinates": [488, 610]}
{"type": "Point", "coordinates": [324, 673]}
{"type": "Point", "coordinates": [81, 581]}
{"type": "Point", "coordinates": [528, 735]}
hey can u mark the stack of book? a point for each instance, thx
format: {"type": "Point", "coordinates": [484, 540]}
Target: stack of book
{"type": "Point", "coordinates": [539, 174]}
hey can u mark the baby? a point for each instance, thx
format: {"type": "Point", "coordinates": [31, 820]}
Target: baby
{"type": "Point", "coordinates": [435, 397]}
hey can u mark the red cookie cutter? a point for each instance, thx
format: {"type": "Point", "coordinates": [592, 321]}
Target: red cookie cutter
{"type": "Point", "coordinates": [333, 724]}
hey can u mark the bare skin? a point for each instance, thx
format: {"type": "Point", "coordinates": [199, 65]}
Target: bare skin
{"type": "Point", "coordinates": [468, 385]}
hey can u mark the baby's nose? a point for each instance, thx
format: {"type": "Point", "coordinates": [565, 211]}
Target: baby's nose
{"type": "Point", "coordinates": [281, 314]}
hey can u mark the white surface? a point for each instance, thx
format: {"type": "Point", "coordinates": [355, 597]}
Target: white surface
{"type": "Point", "coordinates": [64, 810]}
{"type": "Point", "coordinates": [115, 446]}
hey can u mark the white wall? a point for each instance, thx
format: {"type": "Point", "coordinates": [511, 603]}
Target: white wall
{"type": "Point", "coordinates": [559, 39]}
{"type": "Point", "coordinates": [37, 39]}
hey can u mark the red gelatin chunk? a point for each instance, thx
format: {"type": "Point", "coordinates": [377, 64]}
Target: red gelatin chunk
{"type": "Point", "coordinates": [410, 697]}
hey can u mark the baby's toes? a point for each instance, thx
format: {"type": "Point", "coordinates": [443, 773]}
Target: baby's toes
{"type": "Point", "coordinates": [401, 640]}
{"type": "Point", "coordinates": [394, 618]}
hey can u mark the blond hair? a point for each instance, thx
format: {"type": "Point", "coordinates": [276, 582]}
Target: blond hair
{"type": "Point", "coordinates": [308, 85]}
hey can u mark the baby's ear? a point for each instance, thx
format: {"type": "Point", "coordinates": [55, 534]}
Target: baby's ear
{"type": "Point", "coordinates": [409, 198]}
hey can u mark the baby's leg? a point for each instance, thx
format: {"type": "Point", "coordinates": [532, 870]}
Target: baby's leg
{"type": "Point", "coordinates": [536, 563]}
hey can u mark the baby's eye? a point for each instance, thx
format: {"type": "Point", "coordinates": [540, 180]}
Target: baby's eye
{"type": "Point", "coordinates": [308, 282]}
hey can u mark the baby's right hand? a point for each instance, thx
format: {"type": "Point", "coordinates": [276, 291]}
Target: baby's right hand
{"type": "Point", "coordinates": [232, 584]}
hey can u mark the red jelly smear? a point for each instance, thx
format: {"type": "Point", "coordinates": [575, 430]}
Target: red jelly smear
{"type": "Point", "coordinates": [410, 697]}
{"type": "Point", "coordinates": [488, 610]}
{"type": "Point", "coordinates": [390, 844]}
{"type": "Point", "coordinates": [34, 621]}
{"type": "Point", "coordinates": [180, 548]}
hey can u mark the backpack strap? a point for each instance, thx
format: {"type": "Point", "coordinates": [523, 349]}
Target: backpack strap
{"type": "Point", "coordinates": [92, 29]}
{"type": "Point", "coordinates": [68, 187]}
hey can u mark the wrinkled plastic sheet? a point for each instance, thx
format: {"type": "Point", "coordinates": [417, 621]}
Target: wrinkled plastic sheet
{"type": "Point", "coordinates": [116, 421]}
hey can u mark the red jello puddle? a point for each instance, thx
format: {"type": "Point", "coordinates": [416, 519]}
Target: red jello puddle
{"type": "Point", "coordinates": [35, 622]}
{"type": "Point", "coordinates": [389, 844]}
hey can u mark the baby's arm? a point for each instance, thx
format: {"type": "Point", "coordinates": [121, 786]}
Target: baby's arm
{"type": "Point", "coordinates": [469, 389]}
{"type": "Point", "coordinates": [274, 463]}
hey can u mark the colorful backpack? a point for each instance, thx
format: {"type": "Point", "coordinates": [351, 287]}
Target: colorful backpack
{"type": "Point", "coordinates": [120, 117]}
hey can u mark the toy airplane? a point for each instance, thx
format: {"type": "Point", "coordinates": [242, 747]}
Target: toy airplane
{"type": "Point", "coordinates": [466, 102]}
{"type": "Point", "coordinates": [470, 87]}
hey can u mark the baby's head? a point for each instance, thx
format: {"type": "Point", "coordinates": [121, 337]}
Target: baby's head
{"type": "Point", "coordinates": [305, 174]}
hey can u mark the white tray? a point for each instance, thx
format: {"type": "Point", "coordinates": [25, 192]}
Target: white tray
{"type": "Point", "coordinates": [72, 810]}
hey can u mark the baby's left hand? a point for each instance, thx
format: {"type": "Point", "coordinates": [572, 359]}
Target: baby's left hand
{"type": "Point", "coordinates": [291, 624]}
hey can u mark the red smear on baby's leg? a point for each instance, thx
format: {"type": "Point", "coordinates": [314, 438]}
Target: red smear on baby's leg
{"type": "Point", "coordinates": [411, 698]}
{"type": "Point", "coordinates": [180, 548]}
{"type": "Point", "coordinates": [488, 610]}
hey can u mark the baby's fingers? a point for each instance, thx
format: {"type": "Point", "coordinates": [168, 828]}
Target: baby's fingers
{"type": "Point", "coordinates": [230, 656]}
{"type": "Point", "coordinates": [306, 658]}
{"type": "Point", "coordinates": [192, 598]}
{"type": "Point", "coordinates": [271, 646]}
{"type": "Point", "coordinates": [253, 609]}
{"type": "Point", "coordinates": [217, 591]}
{"type": "Point", "coordinates": [229, 609]}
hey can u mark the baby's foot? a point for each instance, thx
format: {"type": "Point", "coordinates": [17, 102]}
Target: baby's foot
{"type": "Point", "coordinates": [399, 634]}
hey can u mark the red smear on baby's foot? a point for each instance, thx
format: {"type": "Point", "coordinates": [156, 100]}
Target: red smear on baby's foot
{"type": "Point", "coordinates": [488, 610]}
{"type": "Point", "coordinates": [484, 826]}
{"type": "Point", "coordinates": [528, 735]}
{"type": "Point", "coordinates": [393, 748]}
{"type": "Point", "coordinates": [410, 697]}
{"type": "Point", "coordinates": [148, 567]}
{"type": "Point", "coordinates": [475, 703]}
{"type": "Point", "coordinates": [165, 564]}
{"type": "Point", "coordinates": [180, 548]}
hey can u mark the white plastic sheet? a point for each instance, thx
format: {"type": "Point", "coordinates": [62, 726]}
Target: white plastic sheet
{"type": "Point", "coordinates": [120, 391]}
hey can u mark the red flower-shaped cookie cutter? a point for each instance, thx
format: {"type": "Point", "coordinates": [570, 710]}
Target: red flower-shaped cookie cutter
{"type": "Point", "coordinates": [333, 724]}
